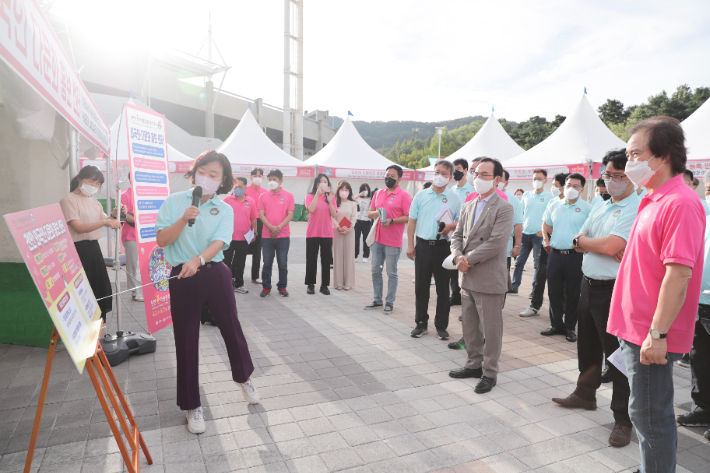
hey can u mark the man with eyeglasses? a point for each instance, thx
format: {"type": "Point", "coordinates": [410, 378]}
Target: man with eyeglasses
{"type": "Point", "coordinates": [564, 265]}
{"type": "Point", "coordinates": [602, 236]}
{"type": "Point", "coordinates": [432, 248]}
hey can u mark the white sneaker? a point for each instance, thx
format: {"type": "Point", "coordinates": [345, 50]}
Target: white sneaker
{"type": "Point", "coordinates": [257, 281]}
{"type": "Point", "coordinates": [529, 312]}
{"type": "Point", "coordinates": [433, 281]}
{"type": "Point", "coordinates": [364, 260]}
{"type": "Point", "coordinates": [251, 395]}
{"type": "Point", "coordinates": [241, 290]}
{"type": "Point", "coordinates": [138, 297]}
{"type": "Point", "coordinates": [195, 421]}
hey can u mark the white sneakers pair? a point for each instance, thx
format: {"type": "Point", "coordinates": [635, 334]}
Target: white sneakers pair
{"type": "Point", "coordinates": [196, 418]}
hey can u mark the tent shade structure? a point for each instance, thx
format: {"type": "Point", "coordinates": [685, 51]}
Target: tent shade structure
{"type": "Point", "coordinates": [491, 140]}
{"type": "Point", "coordinates": [580, 142]}
{"type": "Point", "coordinates": [697, 140]}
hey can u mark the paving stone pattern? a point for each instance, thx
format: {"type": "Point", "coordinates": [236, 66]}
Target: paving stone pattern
{"type": "Point", "coordinates": [342, 389]}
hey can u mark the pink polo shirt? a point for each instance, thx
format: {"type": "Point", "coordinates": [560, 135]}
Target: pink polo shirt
{"type": "Point", "coordinates": [474, 195]}
{"type": "Point", "coordinates": [396, 204]}
{"type": "Point", "coordinates": [669, 228]}
{"type": "Point", "coordinates": [128, 232]}
{"type": "Point", "coordinates": [244, 213]}
{"type": "Point", "coordinates": [320, 223]}
{"type": "Point", "coordinates": [255, 193]}
{"type": "Point", "coordinates": [276, 207]}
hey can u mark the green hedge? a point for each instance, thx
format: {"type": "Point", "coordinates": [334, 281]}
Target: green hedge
{"type": "Point", "coordinates": [23, 318]}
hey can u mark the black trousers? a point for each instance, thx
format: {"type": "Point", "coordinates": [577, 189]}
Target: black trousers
{"type": "Point", "coordinates": [593, 344]}
{"type": "Point", "coordinates": [255, 251]}
{"type": "Point", "coordinates": [700, 360]}
{"type": "Point", "coordinates": [235, 257]}
{"type": "Point", "coordinates": [362, 227]}
{"type": "Point", "coordinates": [539, 286]}
{"type": "Point", "coordinates": [428, 261]}
{"type": "Point", "coordinates": [326, 256]}
{"type": "Point", "coordinates": [563, 272]}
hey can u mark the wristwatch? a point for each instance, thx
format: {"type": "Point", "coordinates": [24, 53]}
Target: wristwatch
{"type": "Point", "coordinates": [202, 260]}
{"type": "Point", "coordinates": [656, 334]}
{"type": "Point", "coordinates": [575, 242]}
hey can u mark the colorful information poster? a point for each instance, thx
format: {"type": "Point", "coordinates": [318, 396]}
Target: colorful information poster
{"type": "Point", "coordinates": [43, 238]}
{"type": "Point", "coordinates": [148, 160]}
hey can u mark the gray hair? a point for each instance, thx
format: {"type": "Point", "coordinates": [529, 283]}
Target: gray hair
{"type": "Point", "coordinates": [707, 176]}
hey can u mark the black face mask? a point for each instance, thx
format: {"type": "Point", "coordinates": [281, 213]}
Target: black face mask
{"type": "Point", "coordinates": [458, 175]}
{"type": "Point", "coordinates": [390, 183]}
{"type": "Point", "coordinates": [606, 196]}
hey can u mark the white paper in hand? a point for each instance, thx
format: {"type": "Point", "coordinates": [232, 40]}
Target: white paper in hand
{"type": "Point", "coordinates": [249, 236]}
{"type": "Point", "coordinates": [617, 359]}
{"type": "Point", "coordinates": [449, 262]}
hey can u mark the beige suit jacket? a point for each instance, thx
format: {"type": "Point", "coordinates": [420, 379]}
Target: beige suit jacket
{"type": "Point", "coordinates": [484, 245]}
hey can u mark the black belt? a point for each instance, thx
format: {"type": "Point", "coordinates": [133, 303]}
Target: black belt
{"type": "Point", "coordinates": [443, 241]}
{"type": "Point", "coordinates": [208, 265]}
{"type": "Point", "coordinates": [599, 282]}
{"type": "Point", "coordinates": [563, 252]}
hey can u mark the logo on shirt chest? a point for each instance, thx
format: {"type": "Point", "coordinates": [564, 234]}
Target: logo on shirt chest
{"type": "Point", "coordinates": [214, 211]}
{"type": "Point", "coordinates": [542, 199]}
{"type": "Point", "coordinates": [577, 209]}
{"type": "Point", "coordinates": [617, 213]}
{"type": "Point", "coordinates": [281, 200]}
{"type": "Point", "coordinates": [392, 198]}
{"type": "Point", "coordinates": [444, 200]}
{"type": "Point", "coordinates": [246, 203]}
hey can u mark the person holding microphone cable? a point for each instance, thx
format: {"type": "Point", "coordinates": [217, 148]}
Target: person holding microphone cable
{"type": "Point", "coordinates": [195, 250]}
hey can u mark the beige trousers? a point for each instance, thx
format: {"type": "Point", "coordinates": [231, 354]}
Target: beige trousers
{"type": "Point", "coordinates": [483, 330]}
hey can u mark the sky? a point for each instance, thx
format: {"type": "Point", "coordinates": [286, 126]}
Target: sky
{"type": "Point", "coordinates": [431, 61]}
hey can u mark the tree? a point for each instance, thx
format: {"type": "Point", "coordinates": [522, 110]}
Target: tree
{"type": "Point", "coordinates": [612, 111]}
{"type": "Point", "coordinates": [559, 120]}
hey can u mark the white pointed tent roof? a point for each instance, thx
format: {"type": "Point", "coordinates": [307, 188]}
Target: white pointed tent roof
{"type": "Point", "coordinates": [697, 133]}
{"type": "Point", "coordinates": [581, 140]}
{"type": "Point", "coordinates": [248, 146]}
{"type": "Point", "coordinates": [349, 156]}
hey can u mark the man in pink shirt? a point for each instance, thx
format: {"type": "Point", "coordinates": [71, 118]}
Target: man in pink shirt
{"type": "Point", "coordinates": [245, 215]}
{"type": "Point", "coordinates": [128, 239]}
{"type": "Point", "coordinates": [276, 209]}
{"type": "Point", "coordinates": [656, 294]}
{"type": "Point", "coordinates": [254, 190]}
{"type": "Point", "coordinates": [388, 237]}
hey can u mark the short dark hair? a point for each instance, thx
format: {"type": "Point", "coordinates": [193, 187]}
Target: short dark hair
{"type": "Point", "coordinates": [243, 180]}
{"type": "Point", "coordinates": [617, 157]}
{"type": "Point", "coordinates": [688, 173]}
{"type": "Point", "coordinates": [561, 178]}
{"type": "Point", "coordinates": [316, 183]}
{"type": "Point", "coordinates": [256, 171]}
{"type": "Point", "coordinates": [277, 174]}
{"type": "Point", "coordinates": [87, 172]}
{"type": "Point", "coordinates": [497, 166]}
{"type": "Point", "coordinates": [461, 162]}
{"type": "Point", "coordinates": [516, 191]}
{"type": "Point", "coordinates": [446, 164]}
{"type": "Point", "coordinates": [507, 175]}
{"type": "Point", "coordinates": [343, 185]}
{"type": "Point", "coordinates": [364, 186]}
{"type": "Point", "coordinates": [396, 168]}
{"type": "Point", "coordinates": [665, 137]}
{"type": "Point", "coordinates": [601, 183]}
{"type": "Point", "coordinates": [696, 181]}
{"type": "Point", "coordinates": [540, 170]}
{"type": "Point", "coordinates": [578, 176]}
{"type": "Point", "coordinates": [426, 185]}
{"type": "Point", "coordinates": [210, 156]}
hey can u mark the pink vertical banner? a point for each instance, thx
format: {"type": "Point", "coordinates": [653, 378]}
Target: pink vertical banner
{"type": "Point", "coordinates": [148, 159]}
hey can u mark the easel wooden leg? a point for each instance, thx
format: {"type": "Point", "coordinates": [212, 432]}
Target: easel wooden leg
{"type": "Point", "coordinates": [42, 397]}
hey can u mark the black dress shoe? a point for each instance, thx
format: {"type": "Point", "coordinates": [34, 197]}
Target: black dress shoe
{"type": "Point", "coordinates": [311, 289]}
{"type": "Point", "coordinates": [512, 291]}
{"type": "Point", "coordinates": [457, 345]}
{"type": "Point", "coordinates": [551, 331]}
{"type": "Point", "coordinates": [571, 336]}
{"type": "Point", "coordinates": [484, 385]}
{"type": "Point", "coordinates": [455, 300]}
{"type": "Point", "coordinates": [324, 290]}
{"type": "Point", "coordinates": [466, 373]}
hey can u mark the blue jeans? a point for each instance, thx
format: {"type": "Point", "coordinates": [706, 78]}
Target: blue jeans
{"type": "Point", "coordinates": [529, 242]}
{"type": "Point", "coordinates": [651, 409]}
{"type": "Point", "coordinates": [278, 247]}
{"type": "Point", "coordinates": [382, 254]}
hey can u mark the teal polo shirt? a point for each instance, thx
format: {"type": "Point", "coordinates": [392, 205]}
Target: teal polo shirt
{"type": "Point", "coordinates": [517, 217]}
{"type": "Point", "coordinates": [705, 283]}
{"type": "Point", "coordinates": [705, 205]}
{"type": "Point", "coordinates": [608, 219]}
{"type": "Point", "coordinates": [566, 220]}
{"type": "Point", "coordinates": [463, 192]}
{"type": "Point", "coordinates": [215, 223]}
{"type": "Point", "coordinates": [534, 206]}
{"type": "Point", "coordinates": [426, 205]}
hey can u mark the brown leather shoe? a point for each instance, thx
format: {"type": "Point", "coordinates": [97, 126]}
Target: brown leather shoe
{"type": "Point", "coordinates": [620, 436]}
{"type": "Point", "coordinates": [573, 401]}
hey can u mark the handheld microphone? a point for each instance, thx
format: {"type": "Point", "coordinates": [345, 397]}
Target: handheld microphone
{"type": "Point", "coordinates": [196, 196]}
{"type": "Point", "coordinates": [442, 225]}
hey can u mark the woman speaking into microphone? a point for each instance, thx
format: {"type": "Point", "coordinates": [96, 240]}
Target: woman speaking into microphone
{"type": "Point", "coordinates": [195, 252]}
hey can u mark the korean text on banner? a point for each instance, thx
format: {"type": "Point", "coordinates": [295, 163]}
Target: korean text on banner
{"type": "Point", "coordinates": [29, 47]}
{"type": "Point", "coordinates": [148, 159]}
{"type": "Point", "coordinates": [43, 238]}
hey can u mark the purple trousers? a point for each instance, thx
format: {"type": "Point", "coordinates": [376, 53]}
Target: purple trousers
{"type": "Point", "coordinates": [212, 285]}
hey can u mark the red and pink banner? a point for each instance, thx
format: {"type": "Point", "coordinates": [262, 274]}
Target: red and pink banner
{"type": "Point", "coordinates": [699, 168]}
{"type": "Point", "coordinates": [526, 173]}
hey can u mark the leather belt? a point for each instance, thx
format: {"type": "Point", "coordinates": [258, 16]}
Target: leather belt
{"type": "Point", "coordinates": [599, 282]}
{"type": "Point", "coordinates": [443, 241]}
{"type": "Point", "coordinates": [563, 252]}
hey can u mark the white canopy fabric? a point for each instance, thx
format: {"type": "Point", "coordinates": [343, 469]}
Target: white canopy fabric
{"type": "Point", "coordinates": [583, 139]}
{"type": "Point", "coordinates": [697, 139]}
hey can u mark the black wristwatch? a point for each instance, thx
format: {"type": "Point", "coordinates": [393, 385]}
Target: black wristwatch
{"type": "Point", "coordinates": [575, 242]}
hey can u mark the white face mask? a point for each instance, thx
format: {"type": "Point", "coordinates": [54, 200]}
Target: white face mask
{"type": "Point", "coordinates": [502, 185]}
{"type": "Point", "coordinates": [344, 195]}
{"type": "Point", "coordinates": [469, 178]}
{"type": "Point", "coordinates": [256, 181]}
{"type": "Point", "coordinates": [707, 199]}
{"type": "Point", "coordinates": [88, 190]}
{"type": "Point", "coordinates": [571, 193]}
{"type": "Point", "coordinates": [482, 186]}
{"type": "Point", "coordinates": [639, 172]}
{"type": "Point", "coordinates": [538, 185]}
{"type": "Point", "coordinates": [209, 186]}
{"type": "Point", "coordinates": [519, 196]}
{"type": "Point", "coordinates": [273, 185]}
{"type": "Point", "coordinates": [555, 191]}
{"type": "Point", "coordinates": [440, 181]}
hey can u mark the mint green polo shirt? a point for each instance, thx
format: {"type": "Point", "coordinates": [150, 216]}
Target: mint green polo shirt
{"type": "Point", "coordinates": [608, 219]}
{"type": "Point", "coordinates": [215, 223]}
{"type": "Point", "coordinates": [705, 282]}
{"type": "Point", "coordinates": [426, 205]}
{"type": "Point", "coordinates": [517, 217]}
{"type": "Point", "coordinates": [534, 206]}
{"type": "Point", "coordinates": [463, 192]}
{"type": "Point", "coordinates": [566, 220]}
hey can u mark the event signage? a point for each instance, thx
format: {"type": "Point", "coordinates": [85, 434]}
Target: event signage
{"type": "Point", "coordinates": [148, 160]}
{"type": "Point", "coordinates": [699, 168]}
{"type": "Point", "coordinates": [47, 248]}
{"type": "Point", "coordinates": [372, 174]}
{"type": "Point", "coordinates": [525, 174]}
{"type": "Point", "coordinates": [29, 47]}
{"type": "Point", "coordinates": [287, 171]}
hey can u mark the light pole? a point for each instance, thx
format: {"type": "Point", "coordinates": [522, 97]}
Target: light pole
{"type": "Point", "coordinates": [439, 131]}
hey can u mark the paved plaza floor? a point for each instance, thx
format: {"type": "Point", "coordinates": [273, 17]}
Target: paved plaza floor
{"type": "Point", "coordinates": [342, 389]}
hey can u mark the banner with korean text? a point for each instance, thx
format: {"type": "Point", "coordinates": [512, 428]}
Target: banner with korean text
{"type": "Point", "coordinates": [47, 248]}
{"type": "Point", "coordinates": [148, 160]}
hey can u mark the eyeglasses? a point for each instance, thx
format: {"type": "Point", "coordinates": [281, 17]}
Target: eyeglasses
{"type": "Point", "coordinates": [442, 173]}
{"type": "Point", "coordinates": [613, 177]}
{"type": "Point", "coordinates": [483, 175]}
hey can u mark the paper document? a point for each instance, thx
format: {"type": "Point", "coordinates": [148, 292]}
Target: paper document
{"type": "Point", "coordinates": [249, 236]}
{"type": "Point", "coordinates": [445, 218]}
{"type": "Point", "coordinates": [617, 359]}
{"type": "Point", "coordinates": [449, 262]}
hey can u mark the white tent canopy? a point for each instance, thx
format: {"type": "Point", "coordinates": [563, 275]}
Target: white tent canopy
{"type": "Point", "coordinates": [583, 139]}
{"type": "Point", "coordinates": [491, 140]}
{"type": "Point", "coordinates": [697, 137]}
